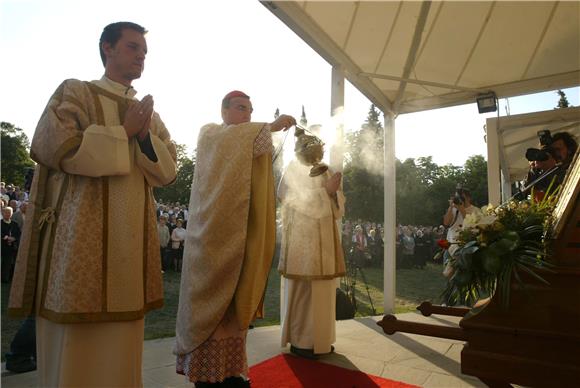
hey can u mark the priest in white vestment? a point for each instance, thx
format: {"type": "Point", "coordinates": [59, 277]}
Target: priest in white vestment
{"type": "Point", "coordinates": [311, 258]}
{"type": "Point", "coordinates": [89, 265]}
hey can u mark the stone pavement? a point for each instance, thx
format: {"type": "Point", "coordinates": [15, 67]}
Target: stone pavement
{"type": "Point", "coordinates": [360, 344]}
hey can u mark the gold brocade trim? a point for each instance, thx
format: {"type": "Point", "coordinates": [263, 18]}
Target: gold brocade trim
{"type": "Point", "coordinates": [100, 316]}
{"type": "Point", "coordinates": [338, 253]}
{"type": "Point", "coordinates": [320, 260]}
{"type": "Point", "coordinates": [67, 146]}
{"type": "Point", "coordinates": [260, 241]}
{"type": "Point", "coordinates": [104, 267]}
{"type": "Point", "coordinates": [99, 107]}
{"type": "Point", "coordinates": [122, 107]}
{"type": "Point", "coordinates": [122, 102]}
{"type": "Point", "coordinates": [73, 100]}
{"type": "Point", "coordinates": [99, 90]}
{"type": "Point", "coordinates": [287, 236]}
{"type": "Point", "coordinates": [145, 239]}
{"type": "Point", "coordinates": [51, 237]}
{"type": "Point", "coordinates": [30, 280]}
{"type": "Point", "coordinates": [313, 277]}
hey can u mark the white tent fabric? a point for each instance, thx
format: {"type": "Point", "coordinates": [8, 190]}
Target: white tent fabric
{"type": "Point", "coordinates": [508, 138]}
{"type": "Point", "coordinates": [518, 133]}
{"type": "Point", "coordinates": [409, 56]}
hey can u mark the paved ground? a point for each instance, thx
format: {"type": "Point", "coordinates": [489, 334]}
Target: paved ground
{"type": "Point", "coordinates": [360, 344]}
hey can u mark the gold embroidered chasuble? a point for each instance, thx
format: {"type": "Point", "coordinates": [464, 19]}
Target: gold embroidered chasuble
{"type": "Point", "coordinates": [310, 246]}
{"type": "Point", "coordinates": [230, 234]}
{"type": "Point", "coordinates": [91, 250]}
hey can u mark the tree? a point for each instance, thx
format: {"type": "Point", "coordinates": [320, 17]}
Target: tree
{"type": "Point", "coordinates": [180, 189]}
{"type": "Point", "coordinates": [363, 172]}
{"type": "Point", "coordinates": [438, 193]}
{"type": "Point", "coordinates": [364, 193]}
{"type": "Point", "coordinates": [409, 190]}
{"type": "Point", "coordinates": [303, 120]}
{"type": "Point", "coordinates": [563, 101]}
{"type": "Point", "coordinates": [372, 120]}
{"type": "Point", "coordinates": [428, 171]}
{"type": "Point", "coordinates": [15, 154]}
{"type": "Point", "coordinates": [475, 178]}
{"type": "Point", "coordinates": [423, 188]}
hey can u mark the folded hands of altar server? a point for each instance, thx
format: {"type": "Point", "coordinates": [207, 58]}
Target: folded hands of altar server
{"type": "Point", "coordinates": [138, 118]}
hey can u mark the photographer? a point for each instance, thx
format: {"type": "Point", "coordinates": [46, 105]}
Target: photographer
{"type": "Point", "coordinates": [541, 162]}
{"type": "Point", "coordinates": [459, 206]}
{"type": "Point", "coordinates": [548, 163]}
{"type": "Point", "coordinates": [564, 146]}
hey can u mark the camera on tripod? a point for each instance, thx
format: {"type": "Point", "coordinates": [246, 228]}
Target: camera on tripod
{"type": "Point", "coordinates": [353, 270]}
{"type": "Point", "coordinates": [540, 154]}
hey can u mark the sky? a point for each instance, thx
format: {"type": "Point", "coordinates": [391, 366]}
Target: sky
{"type": "Point", "coordinates": [200, 50]}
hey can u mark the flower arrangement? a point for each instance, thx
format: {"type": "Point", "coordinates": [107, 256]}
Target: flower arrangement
{"type": "Point", "coordinates": [496, 244]}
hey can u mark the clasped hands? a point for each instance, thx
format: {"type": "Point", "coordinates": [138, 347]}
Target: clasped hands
{"type": "Point", "coordinates": [138, 118]}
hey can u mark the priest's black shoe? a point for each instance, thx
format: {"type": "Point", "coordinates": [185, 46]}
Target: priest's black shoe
{"type": "Point", "coordinates": [305, 353]}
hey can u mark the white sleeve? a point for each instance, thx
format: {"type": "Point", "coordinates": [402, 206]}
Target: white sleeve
{"type": "Point", "coordinates": [103, 151]}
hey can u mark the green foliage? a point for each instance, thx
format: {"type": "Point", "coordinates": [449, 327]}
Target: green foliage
{"type": "Point", "coordinates": [373, 119]}
{"type": "Point", "coordinates": [500, 244]}
{"type": "Point", "coordinates": [15, 154]}
{"type": "Point", "coordinates": [563, 101]}
{"type": "Point", "coordinates": [422, 187]}
{"type": "Point", "coordinates": [475, 178]}
{"type": "Point", "coordinates": [180, 189]}
{"type": "Point", "coordinates": [365, 194]}
{"type": "Point", "coordinates": [363, 181]}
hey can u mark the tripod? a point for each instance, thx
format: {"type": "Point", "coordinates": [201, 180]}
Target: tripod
{"type": "Point", "coordinates": [353, 269]}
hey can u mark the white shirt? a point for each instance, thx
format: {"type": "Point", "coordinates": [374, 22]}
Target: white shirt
{"type": "Point", "coordinates": [453, 231]}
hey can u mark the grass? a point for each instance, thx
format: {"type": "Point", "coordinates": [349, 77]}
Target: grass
{"type": "Point", "coordinates": [413, 287]}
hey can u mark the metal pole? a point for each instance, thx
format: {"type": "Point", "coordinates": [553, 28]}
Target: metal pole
{"type": "Point", "coordinates": [389, 270]}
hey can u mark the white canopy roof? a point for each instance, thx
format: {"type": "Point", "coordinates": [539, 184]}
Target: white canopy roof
{"type": "Point", "coordinates": [411, 56]}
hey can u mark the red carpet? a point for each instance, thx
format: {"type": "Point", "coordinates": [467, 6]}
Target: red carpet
{"type": "Point", "coordinates": [286, 371]}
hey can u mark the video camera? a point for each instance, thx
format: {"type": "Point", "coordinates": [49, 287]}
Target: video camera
{"type": "Point", "coordinates": [459, 196]}
{"type": "Point", "coordinates": [541, 154]}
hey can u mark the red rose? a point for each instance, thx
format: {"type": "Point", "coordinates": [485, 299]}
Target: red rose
{"type": "Point", "coordinates": [443, 243]}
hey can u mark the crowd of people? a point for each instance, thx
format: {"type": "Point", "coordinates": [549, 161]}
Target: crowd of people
{"type": "Point", "coordinates": [416, 245]}
{"type": "Point", "coordinates": [171, 225]}
{"type": "Point", "coordinates": [14, 205]}
{"type": "Point", "coordinates": [14, 202]}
